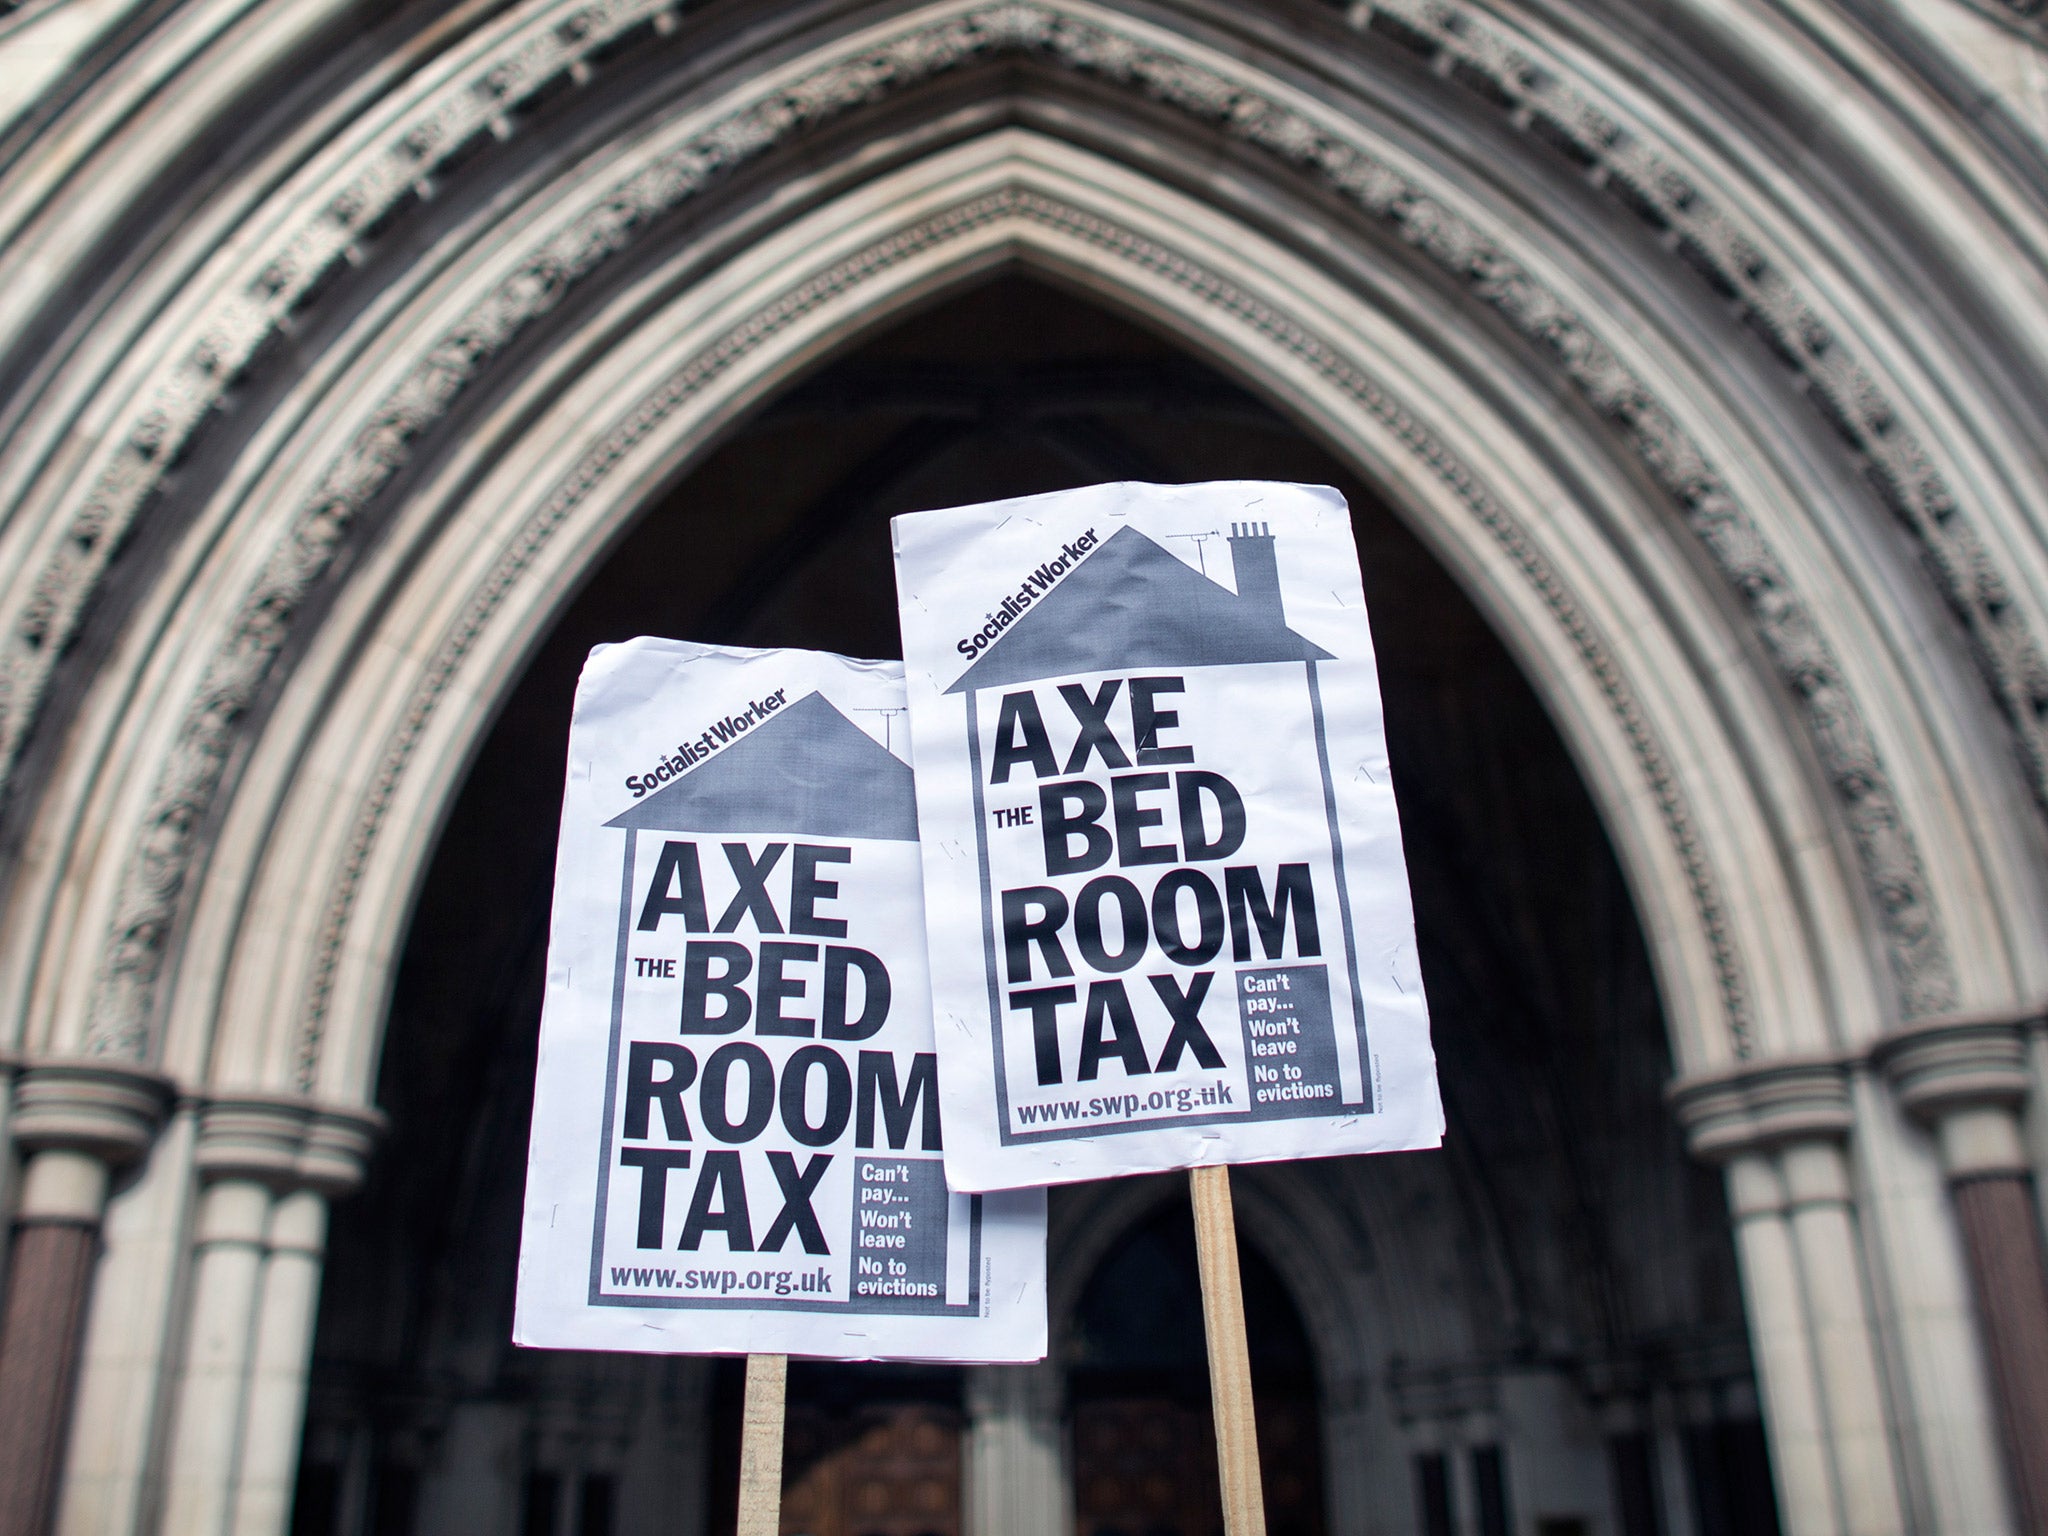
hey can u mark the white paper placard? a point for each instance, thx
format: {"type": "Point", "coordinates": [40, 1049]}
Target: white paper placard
{"type": "Point", "coordinates": [736, 1137]}
{"type": "Point", "coordinates": [1169, 913]}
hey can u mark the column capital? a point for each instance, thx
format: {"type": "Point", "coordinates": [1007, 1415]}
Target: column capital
{"type": "Point", "coordinates": [1759, 1106]}
{"type": "Point", "coordinates": [286, 1142]}
{"type": "Point", "coordinates": [1029, 1391]}
{"type": "Point", "coordinates": [1958, 1061]}
{"type": "Point", "coordinates": [106, 1109]}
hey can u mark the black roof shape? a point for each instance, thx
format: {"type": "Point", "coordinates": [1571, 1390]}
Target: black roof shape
{"type": "Point", "coordinates": [805, 770]}
{"type": "Point", "coordinates": [1132, 604]}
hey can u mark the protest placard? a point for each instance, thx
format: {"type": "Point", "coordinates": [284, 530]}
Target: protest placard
{"type": "Point", "coordinates": [1168, 906]}
{"type": "Point", "coordinates": [737, 1139]}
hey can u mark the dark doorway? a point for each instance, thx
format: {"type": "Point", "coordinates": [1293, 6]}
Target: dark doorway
{"type": "Point", "coordinates": [868, 1450]}
{"type": "Point", "coordinates": [1138, 1384]}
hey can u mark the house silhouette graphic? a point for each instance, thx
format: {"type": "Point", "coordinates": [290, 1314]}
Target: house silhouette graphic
{"type": "Point", "coordinates": [805, 770]}
{"type": "Point", "coordinates": [1133, 605]}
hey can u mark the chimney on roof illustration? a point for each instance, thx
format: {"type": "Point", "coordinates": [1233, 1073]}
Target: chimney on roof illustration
{"type": "Point", "coordinates": [1132, 604]}
{"type": "Point", "coordinates": [1257, 572]}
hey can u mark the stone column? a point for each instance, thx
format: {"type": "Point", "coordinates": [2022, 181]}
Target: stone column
{"type": "Point", "coordinates": [1779, 1130]}
{"type": "Point", "coordinates": [269, 1166]}
{"type": "Point", "coordinates": [295, 1241]}
{"type": "Point", "coordinates": [9, 1069]}
{"type": "Point", "coordinates": [1966, 1080]}
{"type": "Point", "coordinates": [1016, 1474]}
{"type": "Point", "coordinates": [76, 1124]}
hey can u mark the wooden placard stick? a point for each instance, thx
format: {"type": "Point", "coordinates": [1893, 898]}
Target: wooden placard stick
{"type": "Point", "coordinates": [1230, 1359]}
{"type": "Point", "coordinates": [761, 1445]}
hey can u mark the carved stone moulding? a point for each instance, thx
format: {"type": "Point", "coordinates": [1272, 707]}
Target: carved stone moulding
{"type": "Point", "coordinates": [1444, 1390]}
{"type": "Point", "coordinates": [1961, 1061]}
{"type": "Point", "coordinates": [149, 904]}
{"type": "Point", "coordinates": [1757, 1108]}
{"type": "Point", "coordinates": [1695, 1365]}
{"type": "Point", "coordinates": [1273, 326]}
{"type": "Point", "coordinates": [1665, 186]}
{"type": "Point", "coordinates": [287, 1142]}
{"type": "Point", "coordinates": [106, 1109]}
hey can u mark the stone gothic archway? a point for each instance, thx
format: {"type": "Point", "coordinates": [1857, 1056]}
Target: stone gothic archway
{"type": "Point", "coordinates": [294, 499]}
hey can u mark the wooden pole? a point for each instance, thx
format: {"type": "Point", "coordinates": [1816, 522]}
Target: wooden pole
{"type": "Point", "coordinates": [1230, 1359]}
{"type": "Point", "coordinates": [761, 1445]}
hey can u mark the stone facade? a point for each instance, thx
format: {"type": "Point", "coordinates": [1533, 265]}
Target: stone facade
{"type": "Point", "coordinates": [1704, 346]}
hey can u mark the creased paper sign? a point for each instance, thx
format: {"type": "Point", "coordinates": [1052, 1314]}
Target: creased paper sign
{"type": "Point", "coordinates": [1168, 908]}
{"type": "Point", "coordinates": [737, 1137]}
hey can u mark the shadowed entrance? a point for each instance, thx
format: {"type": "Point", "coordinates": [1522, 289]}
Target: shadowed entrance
{"type": "Point", "coordinates": [1144, 1438]}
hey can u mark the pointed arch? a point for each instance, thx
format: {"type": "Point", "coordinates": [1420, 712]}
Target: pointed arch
{"type": "Point", "coordinates": [257, 615]}
{"type": "Point", "coordinates": [165, 782]}
{"type": "Point", "coordinates": [480, 564]}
